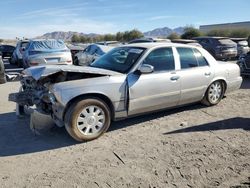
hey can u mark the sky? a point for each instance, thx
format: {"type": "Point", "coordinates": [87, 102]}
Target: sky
{"type": "Point", "coordinates": [31, 18]}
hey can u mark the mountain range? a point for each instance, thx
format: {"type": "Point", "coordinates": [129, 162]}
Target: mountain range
{"type": "Point", "coordinates": [159, 32]}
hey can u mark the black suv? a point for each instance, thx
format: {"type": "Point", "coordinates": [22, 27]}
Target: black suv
{"type": "Point", "coordinates": [244, 63]}
{"type": "Point", "coordinates": [221, 48]}
{"type": "Point", "coordinates": [7, 50]}
{"type": "Point", "coordinates": [2, 71]}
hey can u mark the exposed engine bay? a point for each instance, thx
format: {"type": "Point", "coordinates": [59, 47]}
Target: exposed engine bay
{"type": "Point", "coordinates": [37, 92]}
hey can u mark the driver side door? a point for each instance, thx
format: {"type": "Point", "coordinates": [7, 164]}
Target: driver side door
{"type": "Point", "coordinates": [157, 90]}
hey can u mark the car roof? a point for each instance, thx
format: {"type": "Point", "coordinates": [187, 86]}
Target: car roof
{"type": "Point", "coordinates": [156, 44]}
{"type": "Point", "coordinates": [238, 39]}
{"type": "Point", "coordinates": [184, 40]}
{"type": "Point", "coordinates": [104, 48]}
{"type": "Point", "coordinates": [207, 37]}
{"type": "Point", "coordinates": [39, 40]}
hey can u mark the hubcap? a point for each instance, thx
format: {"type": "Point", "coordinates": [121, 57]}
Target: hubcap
{"type": "Point", "coordinates": [91, 120]}
{"type": "Point", "coordinates": [215, 92]}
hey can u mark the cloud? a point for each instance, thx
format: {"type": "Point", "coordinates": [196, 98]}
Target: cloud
{"type": "Point", "coordinates": [78, 25]}
{"type": "Point", "coordinates": [41, 21]}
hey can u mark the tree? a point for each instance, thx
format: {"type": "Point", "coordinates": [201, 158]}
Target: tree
{"type": "Point", "coordinates": [109, 37]}
{"type": "Point", "coordinates": [240, 33]}
{"type": "Point", "coordinates": [75, 38]}
{"type": "Point", "coordinates": [134, 34]}
{"type": "Point", "coordinates": [120, 36]}
{"type": "Point", "coordinates": [190, 32]}
{"type": "Point", "coordinates": [219, 33]}
{"type": "Point", "coordinates": [173, 36]}
{"type": "Point", "coordinates": [1, 40]}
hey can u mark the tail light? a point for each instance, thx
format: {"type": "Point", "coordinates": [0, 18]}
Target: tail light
{"type": "Point", "coordinates": [69, 61]}
{"type": "Point", "coordinates": [34, 63]}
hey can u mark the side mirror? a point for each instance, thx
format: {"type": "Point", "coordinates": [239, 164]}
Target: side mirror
{"type": "Point", "coordinates": [146, 69]}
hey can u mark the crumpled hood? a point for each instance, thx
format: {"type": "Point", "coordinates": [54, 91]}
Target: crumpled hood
{"type": "Point", "coordinates": [39, 72]}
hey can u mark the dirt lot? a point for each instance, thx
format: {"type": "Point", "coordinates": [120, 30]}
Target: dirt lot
{"type": "Point", "coordinates": [186, 147]}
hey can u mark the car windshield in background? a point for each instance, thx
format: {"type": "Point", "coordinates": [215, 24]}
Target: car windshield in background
{"type": "Point", "coordinates": [119, 59]}
{"type": "Point", "coordinates": [226, 41]}
{"type": "Point", "coordinates": [45, 45]}
{"type": "Point", "coordinates": [24, 44]}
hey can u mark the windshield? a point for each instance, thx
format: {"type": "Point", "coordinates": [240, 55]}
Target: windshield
{"type": "Point", "coordinates": [119, 59]}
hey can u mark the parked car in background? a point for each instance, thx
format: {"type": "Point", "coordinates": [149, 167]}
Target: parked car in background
{"type": "Point", "coordinates": [74, 49]}
{"type": "Point", "coordinates": [242, 45]}
{"type": "Point", "coordinates": [17, 56]}
{"type": "Point", "coordinates": [148, 40]}
{"type": "Point", "coordinates": [90, 54]}
{"type": "Point", "coordinates": [41, 51]}
{"type": "Point", "coordinates": [187, 41]}
{"type": "Point", "coordinates": [244, 63]}
{"type": "Point", "coordinates": [2, 71]}
{"type": "Point", "coordinates": [127, 81]}
{"type": "Point", "coordinates": [222, 48]}
{"type": "Point", "coordinates": [109, 43]}
{"type": "Point", "coordinates": [7, 51]}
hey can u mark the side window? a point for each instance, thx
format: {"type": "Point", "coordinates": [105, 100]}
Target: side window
{"type": "Point", "coordinates": [187, 58]}
{"type": "Point", "coordinates": [100, 52]}
{"type": "Point", "coordinates": [161, 59]}
{"type": "Point", "coordinates": [87, 49]}
{"type": "Point", "coordinates": [200, 58]}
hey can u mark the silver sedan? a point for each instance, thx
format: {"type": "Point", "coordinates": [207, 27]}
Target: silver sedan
{"type": "Point", "coordinates": [127, 81]}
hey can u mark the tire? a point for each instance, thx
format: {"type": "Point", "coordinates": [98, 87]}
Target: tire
{"type": "Point", "coordinates": [20, 63]}
{"type": "Point", "coordinates": [214, 94]}
{"type": "Point", "coordinates": [76, 61]}
{"type": "Point", "coordinates": [82, 121]}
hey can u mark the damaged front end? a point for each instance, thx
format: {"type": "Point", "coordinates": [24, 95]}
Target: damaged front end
{"type": "Point", "coordinates": [37, 84]}
{"type": "Point", "coordinates": [32, 93]}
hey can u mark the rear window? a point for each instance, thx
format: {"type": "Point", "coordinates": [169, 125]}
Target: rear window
{"type": "Point", "coordinates": [226, 41]}
{"type": "Point", "coordinates": [47, 45]}
{"type": "Point", "coordinates": [24, 44]}
{"type": "Point", "coordinates": [243, 43]}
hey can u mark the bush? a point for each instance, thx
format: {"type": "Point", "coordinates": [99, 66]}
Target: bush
{"type": "Point", "coordinates": [120, 36]}
{"type": "Point", "coordinates": [233, 33]}
{"type": "Point", "coordinates": [173, 36]}
{"type": "Point", "coordinates": [190, 32]}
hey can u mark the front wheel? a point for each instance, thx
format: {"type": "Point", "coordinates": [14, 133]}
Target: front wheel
{"type": "Point", "coordinates": [214, 94]}
{"type": "Point", "coordinates": [87, 119]}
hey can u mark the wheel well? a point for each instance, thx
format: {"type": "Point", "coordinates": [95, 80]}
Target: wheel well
{"type": "Point", "coordinates": [91, 95]}
{"type": "Point", "coordinates": [224, 84]}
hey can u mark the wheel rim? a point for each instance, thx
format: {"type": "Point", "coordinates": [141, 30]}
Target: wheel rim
{"type": "Point", "coordinates": [91, 120]}
{"type": "Point", "coordinates": [215, 92]}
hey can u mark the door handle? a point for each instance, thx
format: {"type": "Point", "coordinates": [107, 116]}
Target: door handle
{"type": "Point", "coordinates": [175, 78]}
{"type": "Point", "coordinates": [207, 73]}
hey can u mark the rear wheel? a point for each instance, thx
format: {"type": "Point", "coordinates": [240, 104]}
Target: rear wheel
{"type": "Point", "coordinates": [76, 61]}
{"type": "Point", "coordinates": [214, 94]}
{"type": "Point", "coordinates": [87, 119]}
{"type": "Point", "coordinates": [20, 63]}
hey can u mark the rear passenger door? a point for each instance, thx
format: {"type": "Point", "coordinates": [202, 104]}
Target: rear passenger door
{"type": "Point", "coordinates": [195, 74]}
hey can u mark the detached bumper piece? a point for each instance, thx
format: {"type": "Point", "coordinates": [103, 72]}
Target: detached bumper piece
{"type": "Point", "coordinates": [22, 98]}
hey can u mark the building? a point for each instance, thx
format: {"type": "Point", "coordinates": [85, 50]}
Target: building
{"type": "Point", "coordinates": [225, 26]}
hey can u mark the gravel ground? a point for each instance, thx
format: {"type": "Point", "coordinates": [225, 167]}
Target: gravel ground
{"type": "Point", "coordinates": [192, 146]}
